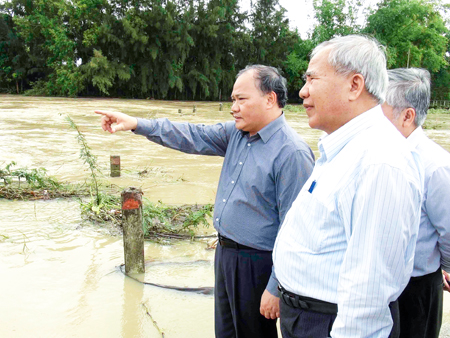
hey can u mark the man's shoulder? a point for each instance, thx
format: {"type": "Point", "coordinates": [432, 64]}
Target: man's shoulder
{"type": "Point", "coordinates": [382, 143]}
{"type": "Point", "coordinates": [432, 154]}
{"type": "Point", "coordinates": [289, 140]}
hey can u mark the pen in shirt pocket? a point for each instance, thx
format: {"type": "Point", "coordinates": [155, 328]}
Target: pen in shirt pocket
{"type": "Point", "coordinates": [311, 188]}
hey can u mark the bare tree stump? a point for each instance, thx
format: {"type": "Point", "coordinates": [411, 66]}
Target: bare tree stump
{"type": "Point", "coordinates": [133, 234]}
{"type": "Point", "coordinates": [115, 165]}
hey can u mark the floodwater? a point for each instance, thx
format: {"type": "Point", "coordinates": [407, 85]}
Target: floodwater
{"type": "Point", "coordinates": [59, 274]}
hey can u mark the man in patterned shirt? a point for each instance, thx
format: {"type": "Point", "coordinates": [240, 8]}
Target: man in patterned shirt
{"type": "Point", "coordinates": [421, 303]}
{"type": "Point", "coordinates": [345, 250]}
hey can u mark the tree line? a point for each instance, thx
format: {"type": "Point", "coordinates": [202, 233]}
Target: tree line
{"type": "Point", "coordinates": [193, 49]}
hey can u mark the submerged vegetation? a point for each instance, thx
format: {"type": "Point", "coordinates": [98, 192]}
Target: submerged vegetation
{"type": "Point", "coordinates": [87, 156]}
{"type": "Point", "coordinates": [159, 220]}
{"type": "Point", "coordinates": [100, 204]}
{"type": "Point", "coordinates": [26, 184]}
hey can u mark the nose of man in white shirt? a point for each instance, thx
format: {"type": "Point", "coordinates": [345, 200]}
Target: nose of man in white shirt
{"type": "Point", "coordinates": [421, 303]}
{"type": "Point", "coordinates": [345, 250]}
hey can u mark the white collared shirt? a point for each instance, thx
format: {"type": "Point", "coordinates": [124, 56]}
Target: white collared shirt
{"type": "Point", "coordinates": [433, 241]}
{"type": "Point", "coordinates": [349, 237]}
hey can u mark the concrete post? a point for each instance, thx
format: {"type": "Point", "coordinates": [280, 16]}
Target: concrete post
{"type": "Point", "coordinates": [133, 234]}
{"type": "Point", "coordinates": [115, 165]}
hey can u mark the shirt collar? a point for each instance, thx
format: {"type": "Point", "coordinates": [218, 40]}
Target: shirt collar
{"type": "Point", "coordinates": [330, 145]}
{"type": "Point", "coordinates": [415, 137]}
{"type": "Point", "coordinates": [268, 131]}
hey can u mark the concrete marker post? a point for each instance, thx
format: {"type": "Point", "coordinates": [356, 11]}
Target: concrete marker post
{"type": "Point", "coordinates": [133, 234]}
{"type": "Point", "coordinates": [115, 165]}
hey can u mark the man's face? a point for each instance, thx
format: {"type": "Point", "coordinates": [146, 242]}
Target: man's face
{"type": "Point", "coordinates": [249, 104]}
{"type": "Point", "coordinates": [324, 94]}
{"type": "Point", "coordinates": [389, 113]}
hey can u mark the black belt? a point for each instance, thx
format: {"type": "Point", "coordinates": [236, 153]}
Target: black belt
{"type": "Point", "coordinates": [229, 243]}
{"type": "Point", "coordinates": [307, 303]}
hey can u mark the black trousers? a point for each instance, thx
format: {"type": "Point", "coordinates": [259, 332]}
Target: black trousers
{"type": "Point", "coordinates": [421, 306]}
{"type": "Point", "coordinates": [241, 278]}
{"type": "Point", "coordinates": [298, 323]}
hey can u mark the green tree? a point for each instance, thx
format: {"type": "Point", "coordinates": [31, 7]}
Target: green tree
{"type": "Point", "coordinates": [217, 30]}
{"type": "Point", "coordinates": [270, 36]}
{"type": "Point", "coordinates": [413, 32]}
{"type": "Point", "coordinates": [296, 65]}
{"type": "Point", "coordinates": [335, 18]}
{"type": "Point", "coordinates": [13, 60]}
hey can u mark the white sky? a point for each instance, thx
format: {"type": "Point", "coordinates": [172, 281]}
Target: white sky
{"type": "Point", "coordinates": [301, 15]}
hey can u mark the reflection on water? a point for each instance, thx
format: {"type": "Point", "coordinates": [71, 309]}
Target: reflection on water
{"type": "Point", "coordinates": [59, 276]}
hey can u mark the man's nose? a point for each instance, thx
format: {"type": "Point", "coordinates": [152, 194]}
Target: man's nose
{"type": "Point", "coordinates": [304, 92]}
{"type": "Point", "coordinates": [234, 107]}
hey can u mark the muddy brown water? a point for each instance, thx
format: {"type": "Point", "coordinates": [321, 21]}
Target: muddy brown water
{"type": "Point", "coordinates": [59, 275]}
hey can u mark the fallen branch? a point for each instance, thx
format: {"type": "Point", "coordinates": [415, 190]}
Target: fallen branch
{"type": "Point", "coordinates": [153, 321]}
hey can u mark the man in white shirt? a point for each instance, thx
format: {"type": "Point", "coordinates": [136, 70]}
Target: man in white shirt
{"type": "Point", "coordinates": [421, 303]}
{"type": "Point", "coordinates": [345, 250]}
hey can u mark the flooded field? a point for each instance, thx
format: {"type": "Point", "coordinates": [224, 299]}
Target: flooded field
{"type": "Point", "coordinates": [60, 275]}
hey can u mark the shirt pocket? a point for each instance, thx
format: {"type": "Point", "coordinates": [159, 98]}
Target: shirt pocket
{"type": "Point", "coordinates": [323, 230]}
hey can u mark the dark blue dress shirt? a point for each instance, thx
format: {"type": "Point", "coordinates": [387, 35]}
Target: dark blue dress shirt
{"type": "Point", "coordinates": [261, 175]}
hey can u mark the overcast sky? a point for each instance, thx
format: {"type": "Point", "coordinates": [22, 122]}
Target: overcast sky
{"type": "Point", "coordinates": [300, 13]}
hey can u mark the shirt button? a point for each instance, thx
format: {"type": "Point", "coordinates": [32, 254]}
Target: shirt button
{"type": "Point", "coordinates": [232, 182]}
{"type": "Point", "coordinates": [240, 163]}
{"type": "Point", "coordinates": [217, 220]}
{"type": "Point", "coordinates": [248, 144]}
{"type": "Point", "coordinates": [224, 200]}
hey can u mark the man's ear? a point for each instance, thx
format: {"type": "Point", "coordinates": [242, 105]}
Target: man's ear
{"type": "Point", "coordinates": [272, 100]}
{"type": "Point", "coordinates": [357, 85]}
{"type": "Point", "coordinates": [408, 117]}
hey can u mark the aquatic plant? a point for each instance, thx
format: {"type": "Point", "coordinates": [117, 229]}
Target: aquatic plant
{"type": "Point", "coordinates": [38, 184]}
{"type": "Point", "coordinates": [159, 220]}
{"type": "Point", "coordinates": [86, 154]}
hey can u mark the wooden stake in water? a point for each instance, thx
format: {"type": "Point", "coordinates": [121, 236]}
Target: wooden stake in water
{"type": "Point", "coordinates": [133, 234]}
{"type": "Point", "coordinates": [115, 166]}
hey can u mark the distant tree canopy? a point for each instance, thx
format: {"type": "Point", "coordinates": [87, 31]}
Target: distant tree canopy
{"type": "Point", "coordinates": [193, 49]}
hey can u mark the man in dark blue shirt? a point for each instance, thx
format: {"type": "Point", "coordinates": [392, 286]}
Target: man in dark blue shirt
{"type": "Point", "coordinates": [266, 164]}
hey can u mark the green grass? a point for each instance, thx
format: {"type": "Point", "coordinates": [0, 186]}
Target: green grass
{"type": "Point", "coordinates": [294, 108]}
{"type": "Point", "coordinates": [438, 111]}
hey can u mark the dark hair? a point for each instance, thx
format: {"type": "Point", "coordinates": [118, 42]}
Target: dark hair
{"type": "Point", "coordinates": [269, 80]}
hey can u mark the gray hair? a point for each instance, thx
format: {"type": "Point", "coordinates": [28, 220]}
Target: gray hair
{"type": "Point", "coordinates": [409, 88]}
{"type": "Point", "coordinates": [269, 80]}
{"type": "Point", "coordinates": [359, 54]}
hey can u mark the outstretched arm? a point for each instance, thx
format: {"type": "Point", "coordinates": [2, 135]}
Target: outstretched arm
{"type": "Point", "coordinates": [123, 122]}
{"type": "Point", "coordinates": [186, 137]}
